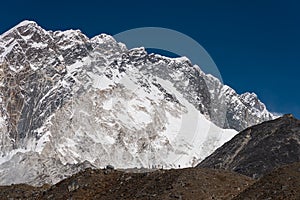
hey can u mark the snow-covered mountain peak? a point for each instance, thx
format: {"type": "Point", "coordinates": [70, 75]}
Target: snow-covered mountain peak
{"type": "Point", "coordinates": [103, 38]}
{"type": "Point", "coordinates": [24, 29]}
{"type": "Point", "coordinates": [26, 23]}
{"type": "Point", "coordinates": [65, 98]}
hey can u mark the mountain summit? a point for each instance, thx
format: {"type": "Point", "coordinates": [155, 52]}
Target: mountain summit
{"type": "Point", "coordinates": [68, 102]}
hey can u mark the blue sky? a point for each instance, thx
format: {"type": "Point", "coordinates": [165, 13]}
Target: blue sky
{"type": "Point", "coordinates": [255, 44]}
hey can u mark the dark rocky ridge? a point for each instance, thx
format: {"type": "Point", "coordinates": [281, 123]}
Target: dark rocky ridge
{"type": "Point", "coordinates": [259, 149]}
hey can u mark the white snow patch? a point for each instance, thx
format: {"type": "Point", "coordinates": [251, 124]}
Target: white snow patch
{"type": "Point", "coordinates": [194, 133]}
{"type": "Point", "coordinates": [39, 45]}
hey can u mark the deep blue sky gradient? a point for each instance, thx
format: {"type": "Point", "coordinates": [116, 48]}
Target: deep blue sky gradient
{"type": "Point", "coordinates": [255, 44]}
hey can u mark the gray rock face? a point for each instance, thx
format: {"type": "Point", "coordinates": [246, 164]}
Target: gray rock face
{"type": "Point", "coordinates": [259, 149]}
{"type": "Point", "coordinates": [31, 72]}
{"type": "Point", "coordinates": [231, 110]}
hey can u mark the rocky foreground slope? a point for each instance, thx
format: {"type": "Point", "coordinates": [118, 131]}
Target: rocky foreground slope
{"type": "Point", "coordinates": [282, 183]}
{"type": "Point", "coordinates": [259, 149]}
{"type": "Point", "coordinates": [190, 183]}
{"type": "Point", "coordinates": [161, 184]}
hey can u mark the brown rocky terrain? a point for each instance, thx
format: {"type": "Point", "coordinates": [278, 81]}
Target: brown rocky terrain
{"type": "Point", "coordinates": [282, 183]}
{"type": "Point", "coordinates": [21, 191]}
{"type": "Point", "coordinates": [190, 183]}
